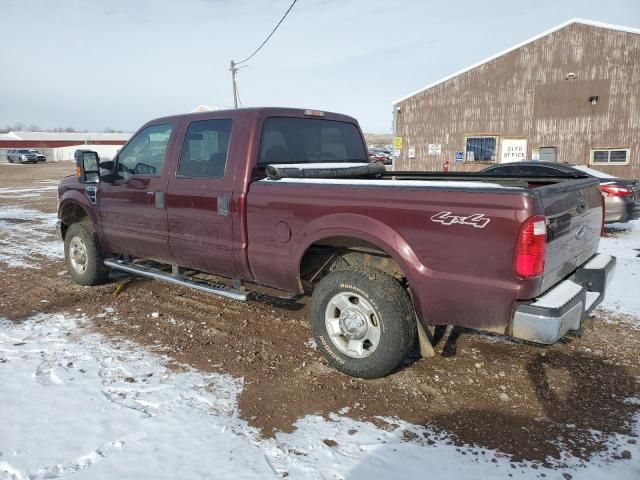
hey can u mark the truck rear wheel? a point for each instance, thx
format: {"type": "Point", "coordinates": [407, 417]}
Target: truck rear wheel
{"type": "Point", "coordinates": [363, 322]}
{"type": "Point", "coordinates": [81, 255]}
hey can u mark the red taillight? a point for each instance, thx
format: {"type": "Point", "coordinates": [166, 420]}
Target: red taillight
{"type": "Point", "coordinates": [530, 249]}
{"type": "Point", "coordinates": [616, 191]}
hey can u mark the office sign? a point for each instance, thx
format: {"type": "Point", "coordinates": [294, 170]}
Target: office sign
{"type": "Point", "coordinates": [513, 150]}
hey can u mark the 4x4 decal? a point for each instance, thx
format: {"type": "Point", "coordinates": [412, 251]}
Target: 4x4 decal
{"type": "Point", "coordinates": [477, 220]}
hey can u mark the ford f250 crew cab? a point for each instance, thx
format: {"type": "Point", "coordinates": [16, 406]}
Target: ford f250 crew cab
{"type": "Point", "coordinates": [286, 199]}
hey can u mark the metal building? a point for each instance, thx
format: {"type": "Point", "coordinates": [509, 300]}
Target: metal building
{"type": "Point", "coordinates": [62, 145]}
{"type": "Point", "coordinates": [570, 94]}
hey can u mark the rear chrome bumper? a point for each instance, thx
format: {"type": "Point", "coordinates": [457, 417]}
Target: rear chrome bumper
{"type": "Point", "coordinates": [563, 308]}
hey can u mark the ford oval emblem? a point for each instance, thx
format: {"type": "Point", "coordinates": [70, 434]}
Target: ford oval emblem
{"type": "Point", "coordinates": [580, 232]}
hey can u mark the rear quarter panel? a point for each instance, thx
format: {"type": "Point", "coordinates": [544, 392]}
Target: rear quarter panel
{"type": "Point", "coordinates": [458, 274]}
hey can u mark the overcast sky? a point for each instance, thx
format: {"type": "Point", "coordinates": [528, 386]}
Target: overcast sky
{"type": "Point", "coordinates": [93, 64]}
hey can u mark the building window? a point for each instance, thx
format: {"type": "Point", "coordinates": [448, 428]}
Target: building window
{"type": "Point", "coordinates": [610, 156]}
{"type": "Point", "coordinates": [481, 148]}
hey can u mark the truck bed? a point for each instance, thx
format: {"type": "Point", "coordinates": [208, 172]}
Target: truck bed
{"type": "Point", "coordinates": [441, 258]}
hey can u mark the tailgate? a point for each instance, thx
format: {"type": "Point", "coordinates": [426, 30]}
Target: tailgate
{"type": "Point", "coordinates": [573, 210]}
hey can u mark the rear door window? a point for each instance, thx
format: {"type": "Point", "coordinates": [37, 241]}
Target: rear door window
{"type": "Point", "coordinates": [205, 147]}
{"type": "Point", "coordinates": [306, 140]}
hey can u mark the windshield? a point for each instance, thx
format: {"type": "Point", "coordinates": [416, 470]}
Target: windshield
{"type": "Point", "coordinates": [306, 140]}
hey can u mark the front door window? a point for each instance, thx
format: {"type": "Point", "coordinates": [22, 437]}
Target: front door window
{"type": "Point", "coordinates": [145, 153]}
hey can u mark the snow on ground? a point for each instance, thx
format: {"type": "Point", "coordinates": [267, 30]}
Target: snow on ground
{"type": "Point", "coordinates": [32, 192]}
{"type": "Point", "coordinates": [76, 403]}
{"type": "Point", "coordinates": [27, 235]}
{"type": "Point", "coordinates": [623, 241]}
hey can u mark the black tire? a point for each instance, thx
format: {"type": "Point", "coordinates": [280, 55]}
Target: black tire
{"type": "Point", "coordinates": [94, 271]}
{"type": "Point", "coordinates": [394, 316]}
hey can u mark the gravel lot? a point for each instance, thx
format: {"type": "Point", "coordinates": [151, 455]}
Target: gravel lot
{"type": "Point", "coordinates": [528, 403]}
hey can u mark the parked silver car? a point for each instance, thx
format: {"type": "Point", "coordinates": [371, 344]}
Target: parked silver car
{"type": "Point", "coordinates": [22, 155]}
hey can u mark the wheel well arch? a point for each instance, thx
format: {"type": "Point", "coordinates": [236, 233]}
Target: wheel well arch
{"type": "Point", "coordinates": [71, 213]}
{"type": "Point", "coordinates": [330, 253]}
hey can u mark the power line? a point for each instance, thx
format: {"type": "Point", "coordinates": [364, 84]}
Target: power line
{"type": "Point", "coordinates": [234, 65]}
{"type": "Point", "coordinates": [238, 95]}
{"type": "Point", "coordinates": [272, 32]}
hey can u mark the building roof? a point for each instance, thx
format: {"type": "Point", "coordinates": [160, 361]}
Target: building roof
{"type": "Point", "coordinates": [207, 108]}
{"type": "Point", "coordinates": [66, 136]}
{"type": "Point", "coordinates": [580, 21]}
{"type": "Point", "coordinates": [9, 136]}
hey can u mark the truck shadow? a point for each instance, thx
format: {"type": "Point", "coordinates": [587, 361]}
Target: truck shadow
{"type": "Point", "coordinates": [582, 402]}
{"type": "Point", "coordinates": [293, 303]}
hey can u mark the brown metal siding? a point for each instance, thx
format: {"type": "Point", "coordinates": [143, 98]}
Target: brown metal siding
{"type": "Point", "coordinates": [524, 94]}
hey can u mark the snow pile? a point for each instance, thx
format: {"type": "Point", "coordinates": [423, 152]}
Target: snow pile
{"type": "Point", "coordinates": [76, 403]}
{"type": "Point", "coordinates": [27, 235]}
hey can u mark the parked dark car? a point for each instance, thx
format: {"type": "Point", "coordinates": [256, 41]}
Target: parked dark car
{"type": "Point", "coordinates": [40, 157]}
{"type": "Point", "coordinates": [22, 155]}
{"type": "Point", "coordinates": [621, 196]}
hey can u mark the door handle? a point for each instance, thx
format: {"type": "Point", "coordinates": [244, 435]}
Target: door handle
{"type": "Point", "coordinates": [158, 197]}
{"type": "Point", "coordinates": [223, 205]}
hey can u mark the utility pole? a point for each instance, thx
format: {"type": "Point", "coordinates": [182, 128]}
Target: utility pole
{"type": "Point", "coordinates": [234, 69]}
{"type": "Point", "coordinates": [234, 66]}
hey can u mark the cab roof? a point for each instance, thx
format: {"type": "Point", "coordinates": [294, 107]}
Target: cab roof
{"type": "Point", "coordinates": [263, 112]}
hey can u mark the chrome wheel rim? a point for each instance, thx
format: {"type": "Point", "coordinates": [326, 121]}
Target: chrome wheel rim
{"type": "Point", "coordinates": [352, 324]}
{"type": "Point", "coordinates": [78, 254]}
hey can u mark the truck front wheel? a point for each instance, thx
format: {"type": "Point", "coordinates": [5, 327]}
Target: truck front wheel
{"type": "Point", "coordinates": [363, 322]}
{"type": "Point", "coordinates": [81, 255]}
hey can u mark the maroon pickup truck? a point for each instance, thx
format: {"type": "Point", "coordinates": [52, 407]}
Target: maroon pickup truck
{"type": "Point", "coordinates": [286, 199]}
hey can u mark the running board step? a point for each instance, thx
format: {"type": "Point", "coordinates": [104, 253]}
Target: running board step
{"type": "Point", "coordinates": [197, 284]}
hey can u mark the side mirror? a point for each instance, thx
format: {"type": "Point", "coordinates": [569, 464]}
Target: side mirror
{"type": "Point", "coordinates": [107, 169]}
{"type": "Point", "coordinates": [106, 165]}
{"type": "Point", "coordinates": [87, 169]}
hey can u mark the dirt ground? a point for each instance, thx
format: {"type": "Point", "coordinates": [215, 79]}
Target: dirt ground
{"type": "Point", "coordinates": [525, 401]}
